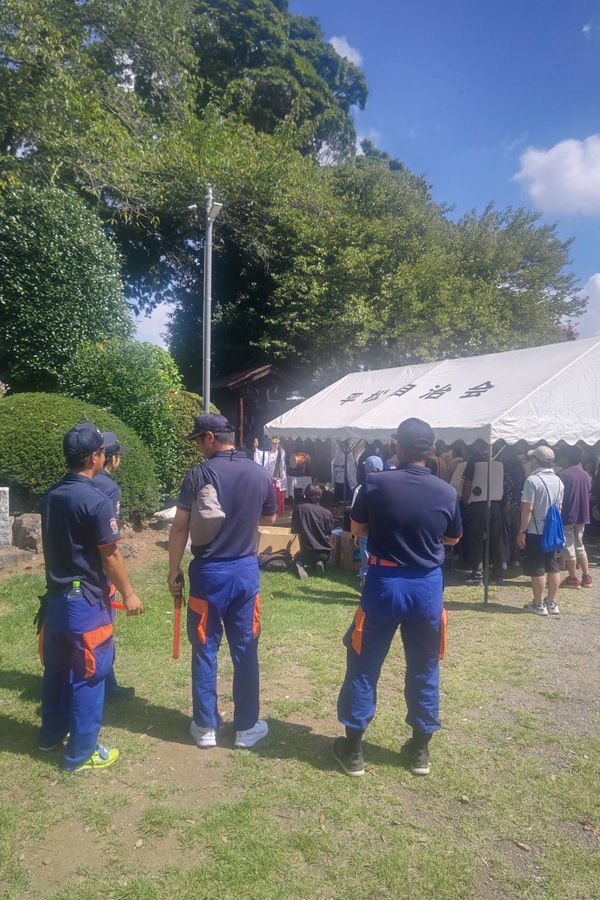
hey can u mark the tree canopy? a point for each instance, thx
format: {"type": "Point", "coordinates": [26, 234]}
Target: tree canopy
{"type": "Point", "coordinates": [324, 259]}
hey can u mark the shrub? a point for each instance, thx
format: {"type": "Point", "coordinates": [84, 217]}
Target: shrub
{"type": "Point", "coordinates": [31, 458]}
{"type": "Point", "coordinates": [184, 405]}
{"type": "Point", "coordinates": [132, 380]}
{"type": "Point", "coordinates": [60, 284]}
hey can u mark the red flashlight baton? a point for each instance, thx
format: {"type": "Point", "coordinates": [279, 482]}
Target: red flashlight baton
{"type": "Point", "coordinates": [178, 603]}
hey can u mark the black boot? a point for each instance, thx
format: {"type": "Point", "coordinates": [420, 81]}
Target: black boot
{"type": "Point", "coordinates": [416, 752]}
{"type": "Point", "coordinates": [347, 752]}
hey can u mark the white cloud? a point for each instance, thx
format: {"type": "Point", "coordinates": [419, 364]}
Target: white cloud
{"type": "Point", "coordinates": [343, 48]}
{"type": "Point", "coordinates": [151, 328]}
{"type": "Point", "coordinates": [587, 28]}
{"type": "Point", "coordinates": [371, 135]}
{"type": "Point", "coordinates": [589, 324]}
{"type": "Point", "coordinates": [565, 178]}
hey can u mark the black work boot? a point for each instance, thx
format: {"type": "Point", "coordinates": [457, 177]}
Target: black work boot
{"type": "Point", "coordinates": [416, 752]}
{"type": "Point", "coordinates": [347, 752]}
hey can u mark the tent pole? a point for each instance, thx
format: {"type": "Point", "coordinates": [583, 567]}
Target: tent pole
{"type": "Point", "coordinates": [344, 486]}
{"type": "Point", "coordinates": [486, 560]}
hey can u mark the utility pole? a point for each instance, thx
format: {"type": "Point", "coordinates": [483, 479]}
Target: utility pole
{"type": "Point", "coordinates": [212, 211]}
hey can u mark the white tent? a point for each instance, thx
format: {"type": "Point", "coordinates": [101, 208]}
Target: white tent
{"type": "Point", "coordinates": [547, 393]}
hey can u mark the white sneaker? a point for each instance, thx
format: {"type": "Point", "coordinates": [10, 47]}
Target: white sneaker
{"type": "Point", "coordinates": [252, 736]}
{"type": "Point", "coordinates": [538, 608]}
{"type": "Point", "coordinates": [552, 608]}
{"type": "Point", "coordinates": [204, 737]}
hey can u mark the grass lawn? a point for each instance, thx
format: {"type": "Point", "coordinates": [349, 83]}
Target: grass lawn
{"type": "Point", "coordinates": [514, 771]}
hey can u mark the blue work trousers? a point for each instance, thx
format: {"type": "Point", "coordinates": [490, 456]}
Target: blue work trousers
{"type": "Point", "coordinates": [409, 599]}
{"type": "Point", "coordinates": [224, 594]}
{"type": "Point", "coordinates": [78, 653]}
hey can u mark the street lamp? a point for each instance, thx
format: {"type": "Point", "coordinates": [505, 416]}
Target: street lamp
{"type": "Point", "coordinates": [212, 211]}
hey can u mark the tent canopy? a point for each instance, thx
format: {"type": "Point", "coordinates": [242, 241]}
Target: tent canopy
{"type": "Point", "coordinates": [547, 393]}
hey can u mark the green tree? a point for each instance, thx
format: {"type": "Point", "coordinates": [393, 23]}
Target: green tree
{"type": "Point", "coordinates": [257, 59]}
{"type": "Point", "coordinates": [133, 381]}
{"type": "Point", "coordinates": [60, 284]}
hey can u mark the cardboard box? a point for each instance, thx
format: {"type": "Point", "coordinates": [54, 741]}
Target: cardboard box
{"type": "Point", "coordinates": [271, 538]}
{"type": "Point", "coordinates": [349, 554]}
{"type": "Point", "coordinates": [335, 540]}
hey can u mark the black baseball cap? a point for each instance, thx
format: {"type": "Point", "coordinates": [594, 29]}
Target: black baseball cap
{"type": "Point", "coordinates": [415, 434]}
{"type": "Point", "coordinates": [81, 441]}
{"type": "Point", "coordinates": [111, 442]}
{"type": "Point", "coordinates": [209, 422]}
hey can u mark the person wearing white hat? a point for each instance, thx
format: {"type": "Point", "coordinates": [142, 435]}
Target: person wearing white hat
{"type": "Point", "coordinates": [542, 489]}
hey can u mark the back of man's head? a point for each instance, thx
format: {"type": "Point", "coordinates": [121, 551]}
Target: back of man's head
{"type": "Point", "coordinates": [373, 464]}
{"type": "Point", "coordinates": [313, 493]}
{"type": "Point", "coordinates": [572, 455]}
{"type": "Point", "coordinates": [415, 439]}
{"type": "Point", "coordinates": [80, 443]}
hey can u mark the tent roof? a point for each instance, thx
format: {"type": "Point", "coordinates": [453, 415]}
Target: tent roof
{"type": "Point", "coordinates": [546, 393]}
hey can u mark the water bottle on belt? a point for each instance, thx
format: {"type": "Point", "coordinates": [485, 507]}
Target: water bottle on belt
{"type": "Point", "coordinates": [75, 593]}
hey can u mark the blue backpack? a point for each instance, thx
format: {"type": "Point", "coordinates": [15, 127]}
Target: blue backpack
{"type": "Point", "coordinates": [553, 536]}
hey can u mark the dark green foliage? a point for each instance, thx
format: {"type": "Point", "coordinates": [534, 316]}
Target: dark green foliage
{"type": "Point", "coordinates": [258, 60]}
{"type": "Point", "coordinates": [184, 405]}
{"type": "Point", "coordinates": [60, 284]}
{"type": "Point", "coordinates": [320, 268]}
{"type": "Point", "coordinates": [132, 380]}
{"type": "Point", "coordinates": [31, 458]}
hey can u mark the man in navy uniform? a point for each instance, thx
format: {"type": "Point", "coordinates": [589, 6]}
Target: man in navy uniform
{"type": "Point", "coordinates": [80, 537]}
{"type": "Point", "coordinates": [112, 460]}
{"type": "Point", "coordinates": [407, 514]}
{"type": "Point", "coordinates": [224, 578]}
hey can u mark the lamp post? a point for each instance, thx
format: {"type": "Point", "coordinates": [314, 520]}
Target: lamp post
{"type": "Point", "coordinates": [212, 211]}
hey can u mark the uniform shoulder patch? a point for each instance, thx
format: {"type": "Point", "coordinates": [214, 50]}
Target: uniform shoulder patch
{"type": "Point", "coordinates": [114, 527]}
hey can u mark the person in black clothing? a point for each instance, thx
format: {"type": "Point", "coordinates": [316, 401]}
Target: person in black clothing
{"type": "Point", "coordinates": [313, 524]}
{"type": "Point", "coordinates": [514, 479]}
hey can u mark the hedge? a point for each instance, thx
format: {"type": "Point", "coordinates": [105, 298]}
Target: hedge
{"type": "Point", "coordinates": [184, 405]}
{"type": "Point", "coordinates": [31, 458]}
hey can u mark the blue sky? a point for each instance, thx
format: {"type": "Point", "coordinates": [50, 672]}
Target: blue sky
{"type": "Point", "coordinates": [489, 100]}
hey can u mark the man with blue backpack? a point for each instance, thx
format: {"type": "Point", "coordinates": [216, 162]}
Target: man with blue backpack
{"type": "Point", "coordinates": [540, 533]}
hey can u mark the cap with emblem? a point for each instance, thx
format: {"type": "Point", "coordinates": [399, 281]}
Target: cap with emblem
{"type": "Point", "coordinates": [209, 422]}
{"type": "Point", "coordinates": [112, 444]}
{"type": "Point", "coordinates": [81, 441]}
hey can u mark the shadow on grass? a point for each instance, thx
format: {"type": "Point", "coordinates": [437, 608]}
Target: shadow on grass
{"type": "Point", "coordinates": [288, 740]}
{"type": "Point", "coordinates": [318, 595]}
{"type": "Point", "coordinates": [134, 715]}
{"type": "Point", "coordinates": [481, 607]}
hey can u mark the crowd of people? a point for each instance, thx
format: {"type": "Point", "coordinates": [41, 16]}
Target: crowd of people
{"type": "Point", "coordinates": [409, 505]}
{"type": "Point", "coordinates": [466, 469]}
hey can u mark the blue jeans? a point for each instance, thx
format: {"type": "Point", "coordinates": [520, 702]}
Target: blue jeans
{"type": "Point", "coordinates": [224, 594]}
{"type": "Point", "coordinates": [409, 599]}
{"type": "Point", "coordinates": [78, 653]}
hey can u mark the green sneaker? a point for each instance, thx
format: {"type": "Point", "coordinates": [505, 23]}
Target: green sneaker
{"type": "Point", "coordinates": [102, 758]}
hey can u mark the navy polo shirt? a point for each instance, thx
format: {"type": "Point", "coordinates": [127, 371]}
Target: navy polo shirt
{"type": "Point", "coordinates": [245, 492]}
{"type": "Point", "coordinates": [77, 518]}
{"type": "Point", "coordinates": [113, 491]}
{"type": "Point", "coordinates": [408, 511]}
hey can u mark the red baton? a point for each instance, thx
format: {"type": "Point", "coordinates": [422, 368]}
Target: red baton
{"type": "Point", "coordinates": [178, 602]}
{"type": "Point", "coordinates": [116, 605]}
